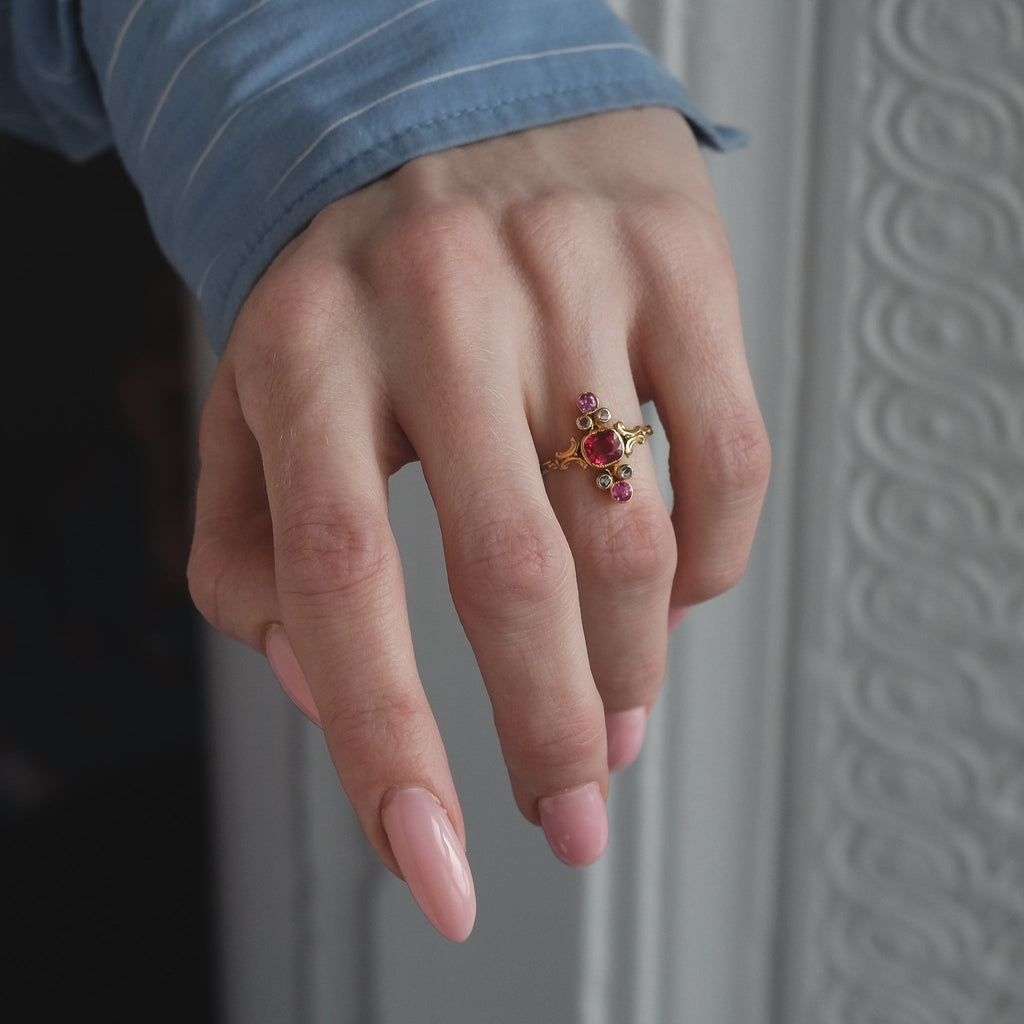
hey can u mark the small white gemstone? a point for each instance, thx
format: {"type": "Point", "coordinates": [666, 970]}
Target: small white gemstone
{"type": "Point", "coordinates": [625, 472]}
{"type": "Point", "coordinates": [604, 481]}
{"type": "Point", "coordinates": [603, 415]}
{"type": "Point", "coordinates": [584, 423]}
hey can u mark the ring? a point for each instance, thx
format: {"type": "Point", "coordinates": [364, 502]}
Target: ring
{"type": "Point", "coordinates": [602, 447]}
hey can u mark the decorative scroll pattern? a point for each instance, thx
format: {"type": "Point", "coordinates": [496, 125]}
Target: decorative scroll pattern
{"type": "Point", "coordinates": [920, 814]}
{"type": "Point", "coordinates": [917, 907]}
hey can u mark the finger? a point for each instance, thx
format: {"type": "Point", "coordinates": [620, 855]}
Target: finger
{"type": "Point", "coordinates": [342, 604]}
{"type": "Point", "coordinates": [511, 575]}
{"type": "Point", "coordinates": [511, 572]}
{"type": "Point", "coordinates": [623, 550]}
{"type": "Point", "coordinates": [693, 363]}
{"type": "Point", "coordinates": [624, 553]}
{"type": "Point", "coordinates": [512, 580]}
{"type": "Point", "coordinates": [719, 463]}
{"type": "Point", "coordinates": [231, 565]}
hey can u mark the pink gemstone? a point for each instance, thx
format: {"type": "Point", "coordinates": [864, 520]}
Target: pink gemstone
{"type": "Point", "coordinates": [622, 491]}
{"type": "Point", "coordinates": [587, 402]}
{"type": "Point", "coordinates": [602, 448]}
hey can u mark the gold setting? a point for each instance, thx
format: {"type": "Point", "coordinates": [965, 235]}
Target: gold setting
{"type": "Point", "coordinates": [602, 447]}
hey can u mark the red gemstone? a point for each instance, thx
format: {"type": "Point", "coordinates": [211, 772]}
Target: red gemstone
{"type": "Point", "coordinates": [602, 448]}
{"type": "Point", "coordinates": [622, 491]}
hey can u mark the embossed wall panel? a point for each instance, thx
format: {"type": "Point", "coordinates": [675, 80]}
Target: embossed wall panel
{"type": "Point", "coordinates": [904, 895]}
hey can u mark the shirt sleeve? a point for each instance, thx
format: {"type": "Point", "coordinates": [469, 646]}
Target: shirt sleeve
{"type": "Point", "coordinates": [240, 119]}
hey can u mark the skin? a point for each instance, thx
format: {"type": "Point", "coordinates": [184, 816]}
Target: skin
{"type": "Point", "coordinates": [451, 313]}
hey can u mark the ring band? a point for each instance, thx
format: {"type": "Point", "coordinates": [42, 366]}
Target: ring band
{"type": "Point", "coordinates": [602, 447]}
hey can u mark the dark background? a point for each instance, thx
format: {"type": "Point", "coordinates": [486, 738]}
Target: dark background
{"type": "Point", "coordinates": [105, 895]}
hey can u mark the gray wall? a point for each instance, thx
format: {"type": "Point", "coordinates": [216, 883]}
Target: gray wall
{"type": "Point", "coordinates": [827, 824]}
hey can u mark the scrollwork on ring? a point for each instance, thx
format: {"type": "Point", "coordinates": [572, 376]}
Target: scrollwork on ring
{"type": "Point", "coordinates": [604, 446]}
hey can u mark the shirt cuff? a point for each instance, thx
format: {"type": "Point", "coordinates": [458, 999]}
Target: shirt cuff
{"type": "Point", "coordinates": [239, 121]}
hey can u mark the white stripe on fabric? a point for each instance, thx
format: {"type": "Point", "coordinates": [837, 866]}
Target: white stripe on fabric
{"type": "Point", "coordinates": [408, 88]}
{"type": "Point", "coordinates": [117, 45]}
{"type": "Point", "coordinates": [291, 77]}
{"type": "Point", "coordinates": [181, 67]}
{"type": "Point", "coordinates": [469, 69]}
{"type": "Point", "coordinates": [209, 267]}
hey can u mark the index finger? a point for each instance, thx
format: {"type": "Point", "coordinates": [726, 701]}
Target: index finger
{"type": "Point", "coordinates": [342, 603]}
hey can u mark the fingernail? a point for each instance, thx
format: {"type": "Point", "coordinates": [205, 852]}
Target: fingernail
{"type": "Point", "coordinates": [431, 860]}
{"type": "Point", "coordinates": [676, 616]}
{"type": "Point", "coordinates": [625, 731]}
{"type": "Point", "coordinates": [289, 672]}
{"type": "Point", "coordinates": [575, 824]}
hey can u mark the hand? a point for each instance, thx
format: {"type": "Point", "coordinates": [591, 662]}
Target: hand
{"type": "Point", "coordinates": [452, 312]}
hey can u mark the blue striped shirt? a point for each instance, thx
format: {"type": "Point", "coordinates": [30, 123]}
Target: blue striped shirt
{"type": "Point", "coordinates": [240, 119]}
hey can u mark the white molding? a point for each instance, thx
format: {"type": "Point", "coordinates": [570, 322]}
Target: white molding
{"type": "Point", "coordinates": [902, 889]}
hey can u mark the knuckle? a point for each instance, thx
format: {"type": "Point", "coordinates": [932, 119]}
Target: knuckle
{"type": "Point", "coordinates": [296, 300]}
{"type": "Point", "coordinates": [378, 738]}
{"type": "Point", "coordinates": [640, 547]}
{"type": "Point", "coordinates": [429, 246]}
{"type": "Point", "coordinates": [447, 268]}
{"type": "Point", "coordinates": [376, 730]}
{"type": "Point", "coordinates": [564, 222]}
{"type": "Point", "coordinates": [324, 551]}
{"type": "Point", "coordinates": [548, 744]}
{"type": "Point", "coordinates": [735, 459]}
{"type": "Point", "coordinates": [678, 227]}
{"type": "Point", "coordinates": [505, 566]}
{"type": "Point", "coordinates": [685, 248]}
{"type": "Point", "coordinates": [291, 368]}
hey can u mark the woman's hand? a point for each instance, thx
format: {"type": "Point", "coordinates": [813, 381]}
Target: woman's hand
{"type": "Point", "coordinates": [452, 313]}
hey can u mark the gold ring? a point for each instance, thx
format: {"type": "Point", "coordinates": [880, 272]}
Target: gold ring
{"type": "Point", "coordinates": [602, 447]}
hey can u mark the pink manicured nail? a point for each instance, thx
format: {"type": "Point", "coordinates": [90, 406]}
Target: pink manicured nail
{"type": "Point", "coordinates": [625, 731]}
{"type": "Point", "coordinates": [431, 859]}
{"type": "Point", "coordinates": [289, 672]}
{"type": "Point", "coordinates": [575, 824]}
{"type": "Point", "coordinates": [676, 616]}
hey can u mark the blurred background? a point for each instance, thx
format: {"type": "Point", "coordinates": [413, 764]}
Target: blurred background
{"type": "Point", "coordinates": [105, 858]}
